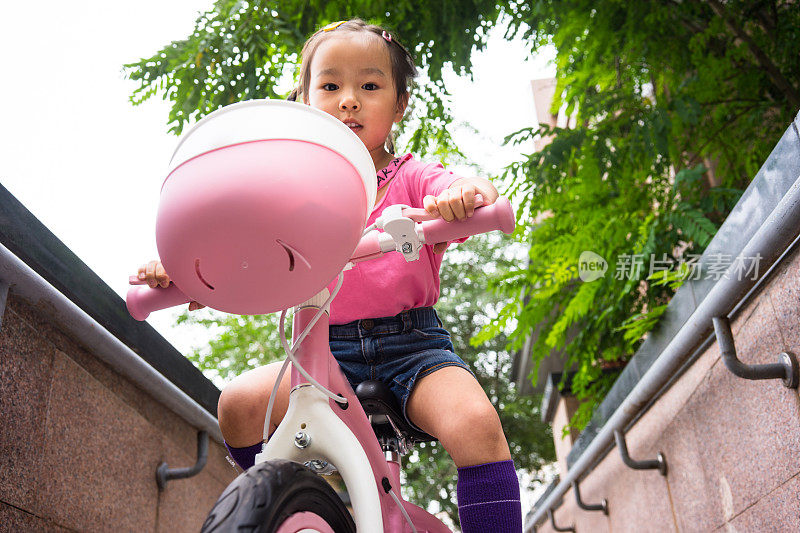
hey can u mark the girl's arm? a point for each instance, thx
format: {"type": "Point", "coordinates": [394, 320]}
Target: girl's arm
{"type": "Point", "coordinates": [457, 202]}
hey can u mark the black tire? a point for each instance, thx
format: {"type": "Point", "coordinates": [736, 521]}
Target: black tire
{"type": "Point", "coordinates": [260, 499]}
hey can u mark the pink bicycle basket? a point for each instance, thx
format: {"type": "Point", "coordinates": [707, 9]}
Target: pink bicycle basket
{"type": "Point", "coordinates": [263, 205]}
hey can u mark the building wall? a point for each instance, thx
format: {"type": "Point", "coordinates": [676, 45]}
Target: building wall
{"type": "Point", "coordinates": [80, 444]}
{"type": "Point", "coordinates": [732, 446]}
{"type": "Point", "coordinates": [567, 405]}
{"type": "Point", "coordinates": [543, 92]}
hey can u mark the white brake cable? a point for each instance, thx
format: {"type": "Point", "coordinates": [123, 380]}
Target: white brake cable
{"type": "Point", "coordinates": [402, 509]}
{"type": "Point", "coordinates": [290, 358]}
{"type": "Point", "coordinates": [285, 365]}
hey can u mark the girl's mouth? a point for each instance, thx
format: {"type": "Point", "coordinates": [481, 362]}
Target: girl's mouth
{"type": "Point", "coordinates": [354, 126]}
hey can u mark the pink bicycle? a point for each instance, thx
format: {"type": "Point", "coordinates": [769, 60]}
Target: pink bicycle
{"type": "Point", "coordinates": [265, 203]}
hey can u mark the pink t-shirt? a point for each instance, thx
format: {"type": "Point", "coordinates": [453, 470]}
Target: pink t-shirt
{"type": "Point", "coordinates": [389, 285]}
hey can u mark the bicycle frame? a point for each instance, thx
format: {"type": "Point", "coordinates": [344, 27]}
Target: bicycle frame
{"type": "Point", "coordinates": [341, 436]}
{"type": "Point", "coordinates": [329, 432]}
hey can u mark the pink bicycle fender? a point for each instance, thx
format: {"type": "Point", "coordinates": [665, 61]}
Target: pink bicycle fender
{"type": "Point", "coordinates": [499, 215]}
{"type": "Point", "coordinates": [142, 300]}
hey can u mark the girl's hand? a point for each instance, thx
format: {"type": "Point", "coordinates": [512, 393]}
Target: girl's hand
{"type": "Point", "coordinates": [154, 274]}
{"type": "Point", "coordinates": [458, 203]}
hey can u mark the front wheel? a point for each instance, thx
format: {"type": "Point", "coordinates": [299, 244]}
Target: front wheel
{"type": "Point", "coordinates": [279, 497]}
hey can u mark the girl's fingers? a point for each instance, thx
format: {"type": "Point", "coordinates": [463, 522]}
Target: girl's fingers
{"type": "Point", "coordinates": [444, 206]}
{"type": "Point", "coordinates": [454, 204]}
{"type": "Point", "coordinates": [193, 306]}
{"type": "Point", "coordinates": [161, 275]}
{"type": "Point", "coordinates": [154, 274]}
{"type": "Point", "coordinates": [468, 197]}
{"type": "Point", "coordinates": [429, 203]}
{"type": "Point", "coordinates": [457, 203]}
{"type": "Point", "coordinates": [150, 274]}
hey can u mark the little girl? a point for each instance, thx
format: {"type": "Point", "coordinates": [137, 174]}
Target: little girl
{"type": "Point", "coordinates": [382, 322]}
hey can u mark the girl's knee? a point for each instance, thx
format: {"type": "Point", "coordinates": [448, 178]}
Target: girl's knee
{"type": "Point", "coordinates": [243, 402]}
{"type": "Point", "coordinates": [237, 411]}
{"type": "Point", "coordinates": [480, 421]}
{"type": "Point", "coordinates": [477, 426]}
{"type": "Point", "coordinates": [237, 400]}
{"type": "Point", "coordinates": [476, 437]}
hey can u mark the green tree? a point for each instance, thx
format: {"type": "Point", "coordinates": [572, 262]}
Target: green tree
{"type": "Point", "coordinates": [242, 50]}
{"type": "Point", "coordinates": [676, 104]}
{"type": "Point", "coordinates": [244, 342]}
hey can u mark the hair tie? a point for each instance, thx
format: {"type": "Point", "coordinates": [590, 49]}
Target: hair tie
{"type": "Point", "coordinates": [386, 36]}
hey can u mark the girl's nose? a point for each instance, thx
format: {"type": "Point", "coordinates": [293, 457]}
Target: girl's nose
{"type": "Point", "coordinates": [348, 103]}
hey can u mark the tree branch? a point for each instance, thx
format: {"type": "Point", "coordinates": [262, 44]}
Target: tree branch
{"type": "Point", "coordinates": [715, 136]}
{"type": "Point", "coordinates": [782, 83]}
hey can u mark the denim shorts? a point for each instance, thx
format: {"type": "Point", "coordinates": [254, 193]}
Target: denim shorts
{"type": "Point", "coordinates": [396, 350]}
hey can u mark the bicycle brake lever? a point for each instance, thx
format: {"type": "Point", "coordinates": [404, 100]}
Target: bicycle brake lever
{"type": "Point", "coordinates": [400, 221]}
{"type": "Point", "coordinates": [402, 229]}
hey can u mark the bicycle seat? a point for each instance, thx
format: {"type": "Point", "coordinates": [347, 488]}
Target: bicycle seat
{"type": "Point", "coordinates": [377, 399]}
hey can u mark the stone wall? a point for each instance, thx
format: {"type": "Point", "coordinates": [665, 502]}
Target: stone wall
{"type": "Point", "coordinates": [80, 444]}
{"type": "Point", "coordinates": [732, 446]}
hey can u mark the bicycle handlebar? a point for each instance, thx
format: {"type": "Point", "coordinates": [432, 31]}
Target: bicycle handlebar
{"type": "Point", "coordinates": [141, 300]}
{"type": "Point", "coordinates": [498, 216]}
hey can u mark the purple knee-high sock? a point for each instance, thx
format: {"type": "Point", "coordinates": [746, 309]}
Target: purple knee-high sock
{"type": "Point", "coordinates": [245, 457]}
{"type": "Point", "coordinates": [488, 498]}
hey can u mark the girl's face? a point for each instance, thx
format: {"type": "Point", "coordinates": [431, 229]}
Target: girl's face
{"type": "Point", "coordinates": [351, 79]}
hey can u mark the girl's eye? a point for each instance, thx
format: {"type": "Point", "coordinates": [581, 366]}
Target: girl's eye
{"type": "Point", "coordinates": [330, 87]}
{"type": "Point", "coordinates": [369, 86]}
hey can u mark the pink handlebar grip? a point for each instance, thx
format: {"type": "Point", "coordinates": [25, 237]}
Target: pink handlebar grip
{"type": "Point", "coordinates": [368, 248]}
{"type": "Point", "coordinates": [142, 300]}
{"type": "Point", "coordinates": [499, 215]}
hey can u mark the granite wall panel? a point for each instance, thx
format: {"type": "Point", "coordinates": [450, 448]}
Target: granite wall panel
{"type": "Point", "coordinates": [696, 498]}
{"type": "Point", "coordinates": [128, 392]}
{"type": "Point", "coordinates": [25, 376]}
{"type": "Point", "coordinates": [80, 443]}
{"type": "Point", "coordinates": [100, 457]}
{"type": "Point", "coordinates": [784, 295]}
{"type": "Point", "coordinates": [747, 430]}
{"type": "Point", "coordinates": [184, 504]}
{"type": "Point", "coordinates": [777, 511]}
{"type": "Point", "coordinates": [13, 520]}
{"type": "Point", "coordinates": [592, 492]}
{"type": "Point", "coordinates": [629, 493]}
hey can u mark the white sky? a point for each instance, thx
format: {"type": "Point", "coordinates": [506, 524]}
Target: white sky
{"type": "Point", "coordinates": [89, 165]}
